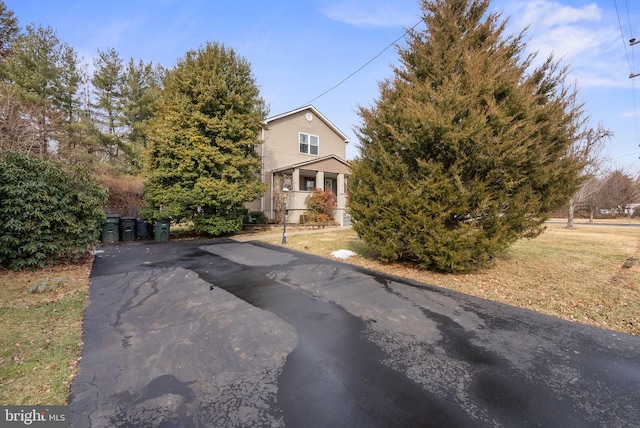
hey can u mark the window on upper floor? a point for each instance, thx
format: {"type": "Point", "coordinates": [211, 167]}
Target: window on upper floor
{"type": "Point", "coordinates": [309, 144]}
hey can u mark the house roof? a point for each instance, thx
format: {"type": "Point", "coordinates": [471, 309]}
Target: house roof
{"type": "Point", "coordinates": [317, 113]}
{"type": "Point", "coordinates": [311, 162]}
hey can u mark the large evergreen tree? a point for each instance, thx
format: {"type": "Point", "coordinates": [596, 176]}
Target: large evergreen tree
{"type": "Point", "coordinates": [141, 86]}
{"type": "Point", "coordinates": [201, 163]}
{"type": "Point", "coordinates": [467, 148]}
{"type": "Point", "coordinates": [52, 109]}
{"type": "Point", "coordinates": [106, 105]}
{"type": "Point", "coordinates": [120, 108]}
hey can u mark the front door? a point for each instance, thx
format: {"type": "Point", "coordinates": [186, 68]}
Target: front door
{"type": "Point", "coordinates": [331, 185]}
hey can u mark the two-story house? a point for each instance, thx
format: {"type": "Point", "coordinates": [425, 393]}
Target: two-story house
{"type": "Point", "coordinates": [301, 150]}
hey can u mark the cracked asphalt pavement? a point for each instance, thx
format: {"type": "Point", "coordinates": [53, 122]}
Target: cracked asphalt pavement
{"type": "Point", "coordinates": [218, 333]}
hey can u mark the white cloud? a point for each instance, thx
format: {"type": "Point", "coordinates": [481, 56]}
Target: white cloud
{"type": "Point", "coordinates": [550, 13]}
{"type": "Point", "coordinates": [373, 13]}
{"type": "Point", "coordinates": [581, 37]}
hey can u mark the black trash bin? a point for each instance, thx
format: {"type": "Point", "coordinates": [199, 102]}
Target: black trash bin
{"type": "Point", "coordinates": [110, 229]}
{"type": "Point", "coordinates": [128, 229]}
{"type": "Point", "coordinates": [143, 229]}
{"type": "Point", "coordinates": [161, 230]}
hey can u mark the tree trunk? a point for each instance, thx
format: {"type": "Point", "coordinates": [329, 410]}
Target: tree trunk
{"type": "Point", "coordinates": [570, 216]}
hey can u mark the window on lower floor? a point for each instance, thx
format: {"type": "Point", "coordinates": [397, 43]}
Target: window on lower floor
{"type": "Point", "coordinates": [309, 144]}
{"type": "Point", "coordinates": [309, 183]}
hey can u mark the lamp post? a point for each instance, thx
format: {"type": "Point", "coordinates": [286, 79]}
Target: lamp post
{"type": "Point", "coordinates": [285, 190]}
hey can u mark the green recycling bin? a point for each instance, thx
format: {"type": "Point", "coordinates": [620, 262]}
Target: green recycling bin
{"type": "Point", "coordinates": [161, 230]}
{"type": "Point", "coordinates": [111, 229]}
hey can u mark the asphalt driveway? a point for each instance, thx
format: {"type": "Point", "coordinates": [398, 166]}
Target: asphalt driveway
{"type": "Point", "coordinates": [217, 333]}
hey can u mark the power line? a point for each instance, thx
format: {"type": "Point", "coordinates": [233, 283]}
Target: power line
{"type": "Point", "coordinates": [366, 64]}
{"type": "Point", "coordinates": [633, 62]}
{"type": "Point", "coordinates": [615, 3]}
{"type": "Point", "coordinates": [632, 41]}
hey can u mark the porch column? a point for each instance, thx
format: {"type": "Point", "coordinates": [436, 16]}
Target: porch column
{"type": "Point", "coordinates": [295, 180]}
{"type": "Point", "coordinates": [340, 185]}
{"type": "Point", "coordinates": [320, 180]}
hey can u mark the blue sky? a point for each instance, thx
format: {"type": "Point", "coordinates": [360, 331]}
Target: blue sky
{"type": "Point", "coordinates": [299, 49]}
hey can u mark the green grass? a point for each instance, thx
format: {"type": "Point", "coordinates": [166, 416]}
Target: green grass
{"type": "Point", "coordinates": [41, 337]}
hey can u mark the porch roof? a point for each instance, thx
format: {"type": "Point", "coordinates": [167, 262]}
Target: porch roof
{"type": "Point", "coordinates": [329, 163]}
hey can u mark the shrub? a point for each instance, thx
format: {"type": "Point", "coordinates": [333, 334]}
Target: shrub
{"type": "Point", "coordinates": [48, 214]}
{"type": "Point", "coordinates": [255, 217]}
{"type": "Point", "coordinates": [321, 205]}
{"type": "Point", "coordinates": [312, 217]}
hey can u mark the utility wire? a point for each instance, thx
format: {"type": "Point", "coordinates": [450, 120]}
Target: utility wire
{"type": "Point", "coordinates": [631, 74]}
{"type": "Point", "coordinates": [366, 64]}
{"type": "Point", "coordinates": [633, 62]}
{"type": "Point", "coordinates": [615, 3]}
{"type": "Point", "coordinates": [633, 83]}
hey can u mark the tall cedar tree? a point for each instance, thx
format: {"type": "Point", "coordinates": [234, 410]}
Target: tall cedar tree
{"type": "Point", "coordinates": [465, 151]}
{"type": "Point", "coordinates": [201, 164]}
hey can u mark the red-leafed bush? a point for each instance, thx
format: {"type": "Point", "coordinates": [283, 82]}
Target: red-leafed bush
{"type": "Point", "coordinates": [321, 205]}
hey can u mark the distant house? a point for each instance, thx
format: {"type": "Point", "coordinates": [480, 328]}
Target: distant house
{"type": "Point", "coordinates": [301, 150]}
{"type": "Point", "coordinates": [631, 209]}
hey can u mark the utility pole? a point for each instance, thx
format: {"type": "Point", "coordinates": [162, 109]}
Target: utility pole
{"type": "Point", "coordinates": [631, 43]}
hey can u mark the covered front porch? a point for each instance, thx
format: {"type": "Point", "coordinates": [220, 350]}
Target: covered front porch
{"type": "Point", "coordinates": [329, 172]}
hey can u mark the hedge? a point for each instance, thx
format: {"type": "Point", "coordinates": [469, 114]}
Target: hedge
{"type": "Point", "coordinates": [48, 212]}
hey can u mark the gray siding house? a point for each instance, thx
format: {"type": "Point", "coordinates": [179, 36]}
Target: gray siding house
{"type": "Point", "coordinates": [301, 150]}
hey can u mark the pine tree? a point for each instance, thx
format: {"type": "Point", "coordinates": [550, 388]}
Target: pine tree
{"type": "Point", "coordinates": [9, 31]}
{"type": "Point", "coordinates": [106, 108]}
{"type": "Point", "coordinates": [201, 164]}
{"type": "Point", "coordinates": [38, 67]}
{"type": "Point", "coordinates": [141, 85]}
{"type": "Point", "coordinates": [465, 151]}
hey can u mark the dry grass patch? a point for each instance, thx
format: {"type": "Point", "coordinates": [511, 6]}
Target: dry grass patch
{"type": "Point", "coordinates": [42, 333]}
{"type": "Point", "coordinates": [589, 274]}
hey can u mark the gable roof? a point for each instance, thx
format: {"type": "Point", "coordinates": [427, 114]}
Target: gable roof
{"type": "Point", "coordinates": [317, 113]}
{"type": "Point", "coordinates": [313, 161]}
